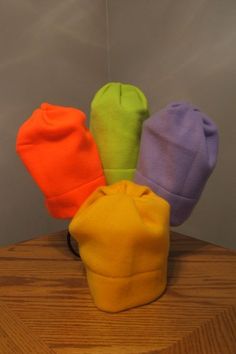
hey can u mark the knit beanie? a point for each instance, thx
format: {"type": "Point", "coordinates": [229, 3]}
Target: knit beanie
{"type": "Point", "coordinates": [117, 114]}
{"type": "Point", "coordinates": [178, 153]}
{"type": "Point", "coordinates": [61, 155]}
{"type": "Point", "coordinates": [123, 236]}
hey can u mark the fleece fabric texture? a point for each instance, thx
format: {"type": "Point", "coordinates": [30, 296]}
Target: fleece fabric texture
{"type": "Point", "coordinates": [117, 114]}
{"type": "Point", "coordinates": [178, 153]}
{"type": "Point", "coordinates": [123, 236]}
{"type": "Point", "coordinates": [61, 155]}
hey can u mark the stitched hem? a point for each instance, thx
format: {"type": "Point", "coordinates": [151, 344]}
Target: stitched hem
{"type": "Point", "coordinates": [181, 207]}
{"type": "Point", "coordinates": [159, 186]}
{"type": "Point", "coordinates": [117, 294]}
{"type": "Point", "coordinates": [67, 204]}
{"type": "Point", "coordinates": [115, 175]}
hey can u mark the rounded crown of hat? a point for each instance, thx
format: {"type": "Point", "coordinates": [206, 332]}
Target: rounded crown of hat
{"type": "Point", "coordinates": [117, 114]}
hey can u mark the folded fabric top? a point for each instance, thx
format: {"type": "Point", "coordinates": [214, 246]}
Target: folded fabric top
{"type": "Point", "coordinates": [61, 155]}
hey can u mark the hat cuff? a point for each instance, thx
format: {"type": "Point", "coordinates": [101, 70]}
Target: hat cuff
{"type": "Point", "coordinates": [66, 205]}
{"type": "Point", "coordinates": [115, 294]}
{"type": "Point", "coordinates": [117, 174]}
{"type": "Point", "coordinates": [181, 207]}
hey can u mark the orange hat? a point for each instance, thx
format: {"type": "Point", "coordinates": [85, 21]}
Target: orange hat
{"type": "Point", "coordinates": [61, 155]}
{"type": "Point", "coordinates": [123, 236]}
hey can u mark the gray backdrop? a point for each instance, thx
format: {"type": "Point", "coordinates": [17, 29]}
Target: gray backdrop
{"type": "Point", "coordinates": [51, 51]}
{"type": "Point", "coordinates": [63, 51]}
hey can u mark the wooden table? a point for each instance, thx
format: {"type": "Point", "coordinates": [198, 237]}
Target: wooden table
{"type": "Point", "coordinates": [45, 305]}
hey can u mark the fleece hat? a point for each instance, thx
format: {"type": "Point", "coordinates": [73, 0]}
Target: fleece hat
{"type": "Point", "coordinates": [123, 236]}
{"type": "Point", "coordinates": [117, 114]}
{"type": "Point", "coordinates": [61, 155]}
{"type": "Point", "coordinates": [178, 153]}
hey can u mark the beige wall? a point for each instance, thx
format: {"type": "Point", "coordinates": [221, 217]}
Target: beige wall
{"type": "Point", "coordinates": [57, 51]}
{"type": "Point", "coordinates": [51, 51]}
{"type": "Point", "coordinates": [186, 49]}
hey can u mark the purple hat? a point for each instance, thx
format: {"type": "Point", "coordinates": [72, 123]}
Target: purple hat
{"type": "Point", "coordinates": [178, 153]}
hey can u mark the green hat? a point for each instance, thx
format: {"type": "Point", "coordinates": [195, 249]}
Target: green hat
{"type": "Point", "coordinates": [117, 114]}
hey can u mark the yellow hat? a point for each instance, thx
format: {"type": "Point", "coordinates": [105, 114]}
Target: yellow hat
{"type": "Point", "coordinates": [123, 236]}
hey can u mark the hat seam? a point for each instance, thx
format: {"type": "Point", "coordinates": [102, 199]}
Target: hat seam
{"type": "Point", "coordinates": [158, 185]}
{"type": "Point", "coordinates": [78, 187]}
{"type": "Point", "coordinates": [125, 276]}
{"type": "Point", "coordinates": [189, 171]}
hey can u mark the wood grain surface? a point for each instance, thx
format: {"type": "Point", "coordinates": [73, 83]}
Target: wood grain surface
{"type": "Point", "coordinates": [45, 305]}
